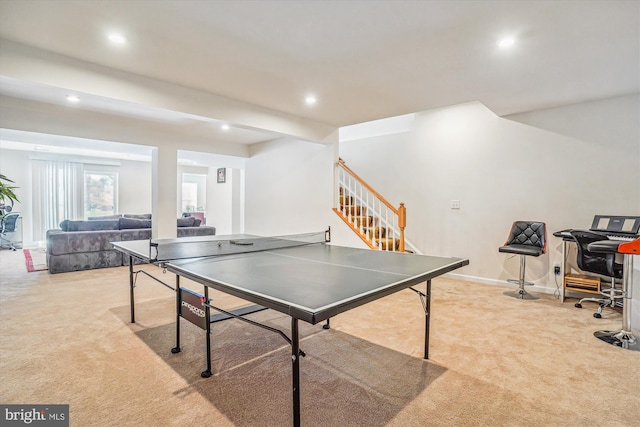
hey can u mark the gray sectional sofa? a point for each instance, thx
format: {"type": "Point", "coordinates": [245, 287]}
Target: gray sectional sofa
{"type": "Point", "coordinates": [85, 245]}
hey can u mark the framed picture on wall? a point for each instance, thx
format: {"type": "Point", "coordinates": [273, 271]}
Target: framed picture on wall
{"type": "Point", "coordinates": [222, 175]}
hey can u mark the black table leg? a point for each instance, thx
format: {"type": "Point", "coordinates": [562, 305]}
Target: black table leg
{"type": "Point", "coordinates": [207, 314]}
{"type": "Point", "coordinates": [131, 293]}
{"type": "Point", "coordinates": [427, 319]}
{"type": "Point", "coordinates": [295, 359]}
{"type": "Point", "coordinates": [177, 349]}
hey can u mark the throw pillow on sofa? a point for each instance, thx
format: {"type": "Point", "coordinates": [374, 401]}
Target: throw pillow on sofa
{"type": "Point", "coordinates": [186, 222]}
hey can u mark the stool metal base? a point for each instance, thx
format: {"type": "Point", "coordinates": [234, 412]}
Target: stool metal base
{"type": "Point", "coordinates": [621, 338]}
{"type": "Point", "coordinates": [520, 294]}
{"type": "Point", "coordinates": [517, 282]}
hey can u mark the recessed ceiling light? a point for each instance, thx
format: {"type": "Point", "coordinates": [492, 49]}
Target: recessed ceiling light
{"type": "Point", "coordinates": [224, 127]}
{"type": "Point", "coordinates": [117, 38]}
{"type": "Point", "coordinates": [73, 98]}
{"type": "Point", "coordinates": [506, 42]}
{"type": "Point", "coordinates": [310, 100]}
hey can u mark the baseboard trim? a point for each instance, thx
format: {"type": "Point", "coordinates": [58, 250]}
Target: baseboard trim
{"type": "Point", "coordinates": [502, 283]}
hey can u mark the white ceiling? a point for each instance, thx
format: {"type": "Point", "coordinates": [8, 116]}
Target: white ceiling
{"type": "Point", "coordinates": [365, 60]}
{"type": "Point", "coordinates": [187, 124]}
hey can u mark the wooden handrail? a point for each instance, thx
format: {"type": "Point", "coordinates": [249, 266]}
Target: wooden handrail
{"type": "Point", "coordinates": [400, 211]}
{"type": "Point", "coordinates": [368, 187]}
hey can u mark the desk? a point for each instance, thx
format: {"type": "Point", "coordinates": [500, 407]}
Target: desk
{"type": "Point", "coordinates": [614, 227]}
{"type": "Point", "coordinates": [566, 239]}
{"type": "Point", "coordinates": [624, 337]}
{"type": "Point", "coordinates": [589, 286]}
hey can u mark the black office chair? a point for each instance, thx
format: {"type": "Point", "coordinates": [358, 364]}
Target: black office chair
{"type": "Point", "coordinates": [603, 264]}
{"type": "Point", "coordinates": [9, 225]}
{"type": "Point", "coordinates": [527, 238]}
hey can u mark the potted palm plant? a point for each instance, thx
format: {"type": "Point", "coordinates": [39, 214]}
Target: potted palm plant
{"type": "Point", "coordinates": [6, 193]}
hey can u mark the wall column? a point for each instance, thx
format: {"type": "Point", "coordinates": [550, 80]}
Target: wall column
{"type": "Point", "coordinates": [164, 192]}
{"type": "Point", "coordinates": [237, 200]}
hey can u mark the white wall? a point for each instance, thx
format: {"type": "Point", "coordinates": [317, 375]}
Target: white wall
{"type": "Point", "coordinates": [614, 125]}
{"type": "Point", "coordinates": [289, 187]}
{"type": "Point", "coordinates": [567, 165]}
{"type": "Point", "coordinates": [225, 201]}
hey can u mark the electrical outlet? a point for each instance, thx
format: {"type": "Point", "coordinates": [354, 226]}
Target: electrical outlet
{"type": "Point", "coordinates": [455, 204]}
{"type": "Point", "coordinates": [556, 269]}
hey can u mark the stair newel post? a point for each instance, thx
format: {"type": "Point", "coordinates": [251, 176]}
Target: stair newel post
{"type": "Point", "coordinates": [402, 223]}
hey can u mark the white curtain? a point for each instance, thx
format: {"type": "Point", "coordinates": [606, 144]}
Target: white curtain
{"type": "Point", "coordinates": [58, 192]}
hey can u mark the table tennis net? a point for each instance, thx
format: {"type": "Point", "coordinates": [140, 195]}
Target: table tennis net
{"type": "Point", "coordinates": [217, 246]}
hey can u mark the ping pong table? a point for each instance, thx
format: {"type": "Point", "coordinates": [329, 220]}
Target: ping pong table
{"type": "Point", "coordinates": [302, 276]}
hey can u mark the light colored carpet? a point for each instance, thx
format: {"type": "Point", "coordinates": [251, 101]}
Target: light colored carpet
{"type": "Point", "coordinates": [495, 361]}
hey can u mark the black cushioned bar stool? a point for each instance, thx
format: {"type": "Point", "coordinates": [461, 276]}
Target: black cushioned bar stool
{"type": "Point", "coordinates": [526, 238]}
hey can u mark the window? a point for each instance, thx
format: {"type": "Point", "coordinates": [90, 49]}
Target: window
{"type": "Point", "coordinates": [100, 194]}
{"type": "Point", "coordinates": [194, 193]}
{"type": "Point", "coordinates": [58, 194]}
{"type": "Point", "coordinates": [194, 190]}
{"type": "Point", "coordinates": [189, 196]}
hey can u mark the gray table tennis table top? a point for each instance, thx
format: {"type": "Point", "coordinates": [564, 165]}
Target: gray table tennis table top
{"type": "Point", "coordinates": [311, 283]}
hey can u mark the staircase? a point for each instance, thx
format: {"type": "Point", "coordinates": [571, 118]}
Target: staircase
{"type": "Point", "coordinates": [376, 221]}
